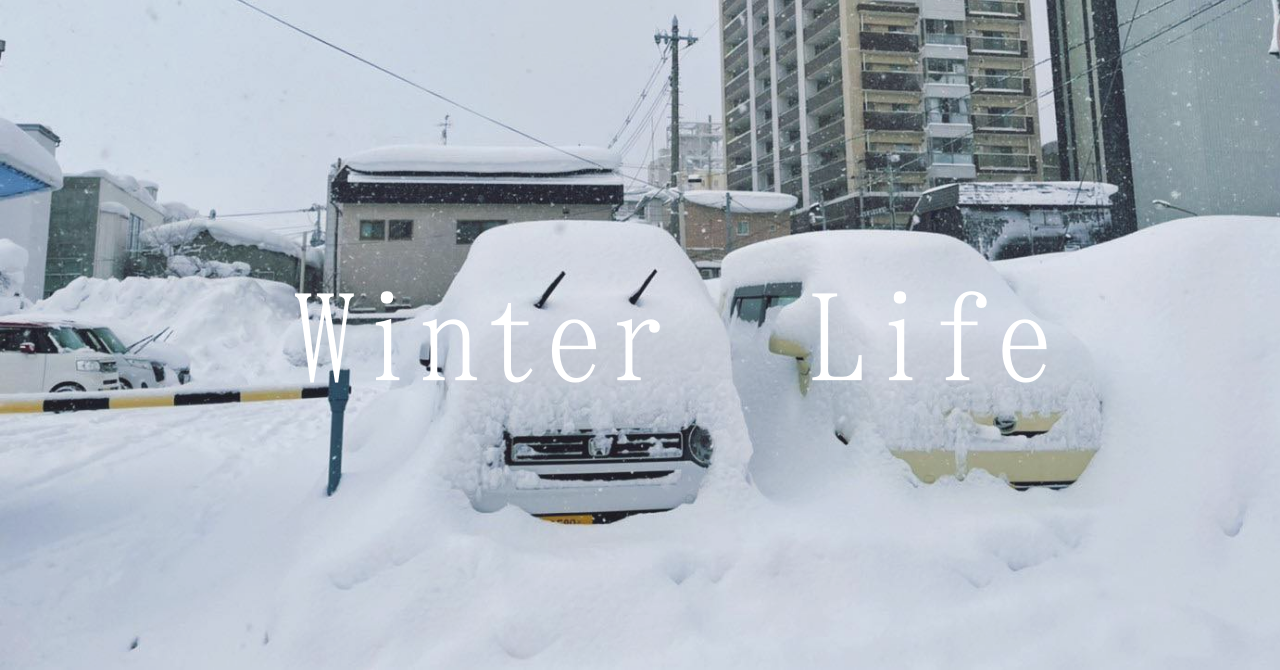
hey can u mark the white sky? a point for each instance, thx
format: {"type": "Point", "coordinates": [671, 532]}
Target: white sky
{"type": "Point", "coordinates": [226, 109]}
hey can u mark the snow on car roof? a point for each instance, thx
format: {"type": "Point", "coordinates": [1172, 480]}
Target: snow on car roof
{"type": "Point", "coordinates": [24, 154]}
{"type": "Point", "coordinates": [485, 160]}
{"type": "Point", "coordinates": [865, 269]}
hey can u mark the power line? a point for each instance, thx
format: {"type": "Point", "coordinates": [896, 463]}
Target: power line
{"type": "Point", "coordinates": [644, 92]}
{"type": "Point", "coordinates": [414, 84]}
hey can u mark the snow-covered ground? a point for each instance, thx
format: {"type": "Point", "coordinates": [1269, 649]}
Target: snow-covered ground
{"type": "Point", "coordinates": [200, 537]}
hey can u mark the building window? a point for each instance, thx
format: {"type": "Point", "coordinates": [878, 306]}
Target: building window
{"type": "Point", "coordinates": [134, 243]}
{"type": "Point", "coordinates": [468, 231]}
{"type": "Point", "coordinates": [744, 228]}
{"type": "Point", "coordinates": [400, 229]}
{"type": "Point", "coordinates": [373, 230]}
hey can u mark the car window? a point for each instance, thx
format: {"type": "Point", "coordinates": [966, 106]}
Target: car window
{"type": "Point", "coordinates": [108, 337]}
{"type": "Point", "coordinates": [66, 339]}
{"type": "Point", "coordinates": [10, 339]}
{"type": "Point", "coordinates": [91, 339]}
{"type": "Point", "coordinates": [750, 309]}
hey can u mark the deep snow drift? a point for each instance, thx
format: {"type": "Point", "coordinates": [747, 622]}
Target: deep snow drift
{"type": "Point", "coordinates": [201, 537]}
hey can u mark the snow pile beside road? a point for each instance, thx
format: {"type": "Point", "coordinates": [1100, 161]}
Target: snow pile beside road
{"type": "Point", "coordinates": [1184, 318]}
{"type": "Point", "coordinates": [13, 264]}
{"type": "Point", "coordinates": [232, 328]}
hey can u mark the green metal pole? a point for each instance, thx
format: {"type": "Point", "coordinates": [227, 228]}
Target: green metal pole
{"type": "Point", "coordinates": [339, 392]}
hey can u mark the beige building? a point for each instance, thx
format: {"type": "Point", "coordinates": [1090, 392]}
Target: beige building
{"type": "Point", "coordinates": [859, 106]}
{"type": "Point", "coordinates": [402, 219]}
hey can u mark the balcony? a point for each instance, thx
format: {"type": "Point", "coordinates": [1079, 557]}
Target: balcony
{"type": "Point", "coordinates": [949, 78]}
{"type": "Point", "coordinates": [1003, 123]}
{"type": "Point", "coordinates": [832, 132]}
{"type": "Point", "coordinates": [1005, 162]}
{"type": "Point", "coordinates": [823, 58]}
{"type": "Point", "coordinates": [821, 18]}
{"type": "Point", "coordinates": [876, 41]}
{"type": "Point", "coordinates": [890, 81]}
{"type": "Point", "coordinates": [907, 162]}
{"type": "Point", "coordinates": [1003, 46]}
{"type": "Point", "coordinates": [903, 6]}
{"type": "Point", "coordinates": [825, 96]}
{"type": "Point", "coordinates": [949, 118]}
{"type": "Point", "coordinates": [893, 120]}
{"type": "Point", "coordinates": [1001, 9]}
{"type": "Point", "coordinates": [944, 39]}
{"type": "Point", "coordinates": [834, 171]}
{"type": "Point", "coordinates": [789, 118]}
{"type": "Point", "coordinates": [992, 83]}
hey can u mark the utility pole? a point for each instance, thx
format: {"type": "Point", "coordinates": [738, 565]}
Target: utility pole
{"type": "Point", "coordinates": [893, 191]}
{"type": "Point", "coordinates": [444, 130]}
{"type": "Point", "coordinates": [674, 39]}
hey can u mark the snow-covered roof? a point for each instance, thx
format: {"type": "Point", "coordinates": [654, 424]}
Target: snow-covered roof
{"type": "Point", "coordinates": [112, 207]}
{"type": "Point", "coordinates": [126, 183]}
{"type": "Point", "coordinates": [441, 159]}
{"type": "Point", "coordinates": [234, 233]}
{"type": "Point", "coordinates": [21, 153]}
{"type": "Point", "coordinates": [744, 202]}
{"type": "Point", "coordinates": [1029, 193]}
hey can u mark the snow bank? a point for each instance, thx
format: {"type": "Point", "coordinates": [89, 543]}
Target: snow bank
{"type": "Point", "coordinates": [744, 202]}
{"type": "Point", "coordinates": [485, 160]}
{"type": "Point", "coordinates": [25, 155]}
{"type": "Point", "coordinates": [13, 264]}
{"type": "Point", "coordinates": [173, 236]}
{"type": "Point", "coordinates": [115, 208]}
{"type": "Point", "coordinates": [233, 329]}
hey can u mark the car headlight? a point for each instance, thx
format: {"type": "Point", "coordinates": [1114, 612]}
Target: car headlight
{"type": "Point", "coordinates": [700, 446]}
{"type": "Point", "coordinates": [139, 363]}
{"type": "Point", "coordinates": [89, 366]}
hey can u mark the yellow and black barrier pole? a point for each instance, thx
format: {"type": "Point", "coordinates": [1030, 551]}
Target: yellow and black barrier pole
{"type": "Point", "coordinates": [337, 391]}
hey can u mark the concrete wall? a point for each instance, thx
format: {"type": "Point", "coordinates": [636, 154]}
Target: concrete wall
{"type": "Point", "coordinates": [263, 264]}
{"type": "Point", "coordinates": [419, 270]}
{"type": "Point", "coordinates": [83, 239]}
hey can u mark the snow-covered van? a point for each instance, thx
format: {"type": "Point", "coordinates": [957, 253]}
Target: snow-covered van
{"type": "Point", "coordinates": [1043, 432]}
{"type": "Point", "coordinates": [599, 447]}
{"type": "Point", "coordinates": [38, 357]}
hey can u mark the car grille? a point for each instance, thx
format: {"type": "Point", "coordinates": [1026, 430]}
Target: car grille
{"type": "Point", "coordinates": [158, 370]}
{"type": "Point", "coordinates": [587, 447]}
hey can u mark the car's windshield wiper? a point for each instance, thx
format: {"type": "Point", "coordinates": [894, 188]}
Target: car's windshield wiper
{"type": "Point", "coordinates": [547, 293]}
{"type": "Point", "coordinates": [635, 297]}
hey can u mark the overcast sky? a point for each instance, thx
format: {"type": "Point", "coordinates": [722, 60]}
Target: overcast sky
{"type": "Point", "coordinates": [226, 109]}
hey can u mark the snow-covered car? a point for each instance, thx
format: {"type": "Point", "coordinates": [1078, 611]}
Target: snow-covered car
{"type": "Point", "coordinates": [145, 364]}
{"type": "Point", "coordinates": [39, 357]}
{"type": "Point", "coordinates": [599, 447]}
{"type": "Point", "coordinates": [1043, 432]}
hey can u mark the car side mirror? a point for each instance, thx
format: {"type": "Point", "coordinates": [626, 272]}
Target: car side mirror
{"type": "Point", "coordinates": [27, 348]}
{"type": "Point", "coordinates": [792, 349]}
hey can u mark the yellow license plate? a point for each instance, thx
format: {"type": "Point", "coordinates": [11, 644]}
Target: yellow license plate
{"type": "Point", "coordinates": [573, 519]}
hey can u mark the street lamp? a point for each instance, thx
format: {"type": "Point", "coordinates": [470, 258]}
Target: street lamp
{"type": "Point", "coordinates": [1168, 205]}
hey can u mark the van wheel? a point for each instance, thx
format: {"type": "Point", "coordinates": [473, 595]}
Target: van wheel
{"type": "Point", "coordinates": [124, 384]}
{"type": "Point", "coordinates": [68, 388]}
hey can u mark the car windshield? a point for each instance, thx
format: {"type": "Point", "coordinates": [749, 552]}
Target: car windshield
{"type": "Point", "coordinates": [66, 339]}
{"type": "Point", "coordinates": [108, 337]}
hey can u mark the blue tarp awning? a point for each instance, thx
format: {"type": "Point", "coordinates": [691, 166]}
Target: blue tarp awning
{"type": "Point", "coordinates": [14, 182]}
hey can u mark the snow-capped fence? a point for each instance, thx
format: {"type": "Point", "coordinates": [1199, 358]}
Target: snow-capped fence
{"type": "Point", "coordinates": [337, 391]}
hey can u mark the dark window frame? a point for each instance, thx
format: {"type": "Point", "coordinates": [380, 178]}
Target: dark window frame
{"type": "Point", "coordinates": [381, 226]}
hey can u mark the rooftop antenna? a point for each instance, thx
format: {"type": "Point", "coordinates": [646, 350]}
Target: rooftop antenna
{"type": "Point", "coordinates": [635, 297]}
{"type": "Point", "coordinates": [444, 130]}
{"type": "Point", "coordinates": [547, 293]}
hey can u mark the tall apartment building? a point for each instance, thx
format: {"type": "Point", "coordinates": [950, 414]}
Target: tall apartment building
{"type": "Point", "coordinates": [857, 106]}
{"type": "Point", "coordinates": [701, 153]}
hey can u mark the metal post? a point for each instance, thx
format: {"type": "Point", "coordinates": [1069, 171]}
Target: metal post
{"type": "Point", "coordinates": [339, 392]}
{"type": "Point", "coordinates": [674, 39]}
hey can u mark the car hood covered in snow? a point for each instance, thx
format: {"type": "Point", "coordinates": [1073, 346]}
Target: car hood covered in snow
{"type": "Point", "coordinates": [865, 269]}
{"type": "Point", "coordinates": [684, 368]}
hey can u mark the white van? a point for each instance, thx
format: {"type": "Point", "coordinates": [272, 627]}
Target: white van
{"type": "Point", "coordinates": [40, 358]}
